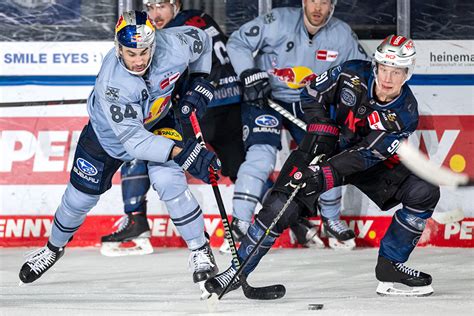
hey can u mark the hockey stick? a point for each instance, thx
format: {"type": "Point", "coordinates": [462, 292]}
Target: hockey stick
{"type": "Point", "coordinates": [418, 163]}
{"type": "Point", "coordinates": [260, 241]}
{"type": "Point", "coordinates": [255, 293]}
{"type": "Point", "coordinates": [423, 167]}
{"type": "Point", "coordinates": [290, 117]}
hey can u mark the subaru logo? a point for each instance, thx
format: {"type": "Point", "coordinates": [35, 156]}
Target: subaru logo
{"type": "Point", "coordinates": [266, 121]}
{"type": "Point", "coordinates": [86, 167]}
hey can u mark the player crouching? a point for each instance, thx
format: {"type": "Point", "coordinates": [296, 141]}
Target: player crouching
{"type": "Point", "coordinates": [369, 109]}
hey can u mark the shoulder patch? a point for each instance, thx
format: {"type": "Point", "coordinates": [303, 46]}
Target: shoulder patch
{"type": "Point", "coordinates": [112, 94]}
{"type": "Point", "coordinates": [269, 18]}
{"type": "Point", "coordinates": [348, 97]}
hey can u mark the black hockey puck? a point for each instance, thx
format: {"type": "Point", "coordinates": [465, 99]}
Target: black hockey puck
{"type": "Point", "coordinates": [315, 306]}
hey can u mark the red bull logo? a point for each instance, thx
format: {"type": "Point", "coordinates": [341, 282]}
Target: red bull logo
{"type": "Point", "coordinates": [295, 77]}
{"type": "Point", "coordinates": [158, 107]}
{"type": "Point", "coordinates": [136, 38]}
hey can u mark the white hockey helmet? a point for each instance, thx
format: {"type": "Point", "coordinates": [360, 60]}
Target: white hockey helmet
{"type": "Point", "coordinates": [396, 51]}
{"type": "Point", "coordinates": [314, 27]}
{"type": "Point", "coordinates": [134, 30]}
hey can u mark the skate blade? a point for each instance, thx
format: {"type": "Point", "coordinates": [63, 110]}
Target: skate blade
{"type": "Point", "coordinates": [315, 243]}
{"type": "Point", "coordinates": [388, 289]}
{"type": "Point", "coordinates": [212, 303]}
{"type": "Point", "coordinates": [204, 293]}
{"type": "Point", "coordinates": [112, 249]}
{"type": "Point", "coordinates": [21, 284]}
{"type": "Point", "coordinates": [345, 245]}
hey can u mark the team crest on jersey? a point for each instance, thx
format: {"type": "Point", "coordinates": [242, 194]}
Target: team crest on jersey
{"type": "Point", "coordinates": [112, 94]}
{"type": "Point", "coordinates": [170, 80]}
{"type": "Point", "coordinates": [348, 97]}
{"type": "Point", "coordinates": [326, 55]}
{"type": "Point", "coordinates": [295, 77]}
{"type": "Point", "coordinates": [157, 108]}
{"type": "Point", "coordinates": [168, 133]}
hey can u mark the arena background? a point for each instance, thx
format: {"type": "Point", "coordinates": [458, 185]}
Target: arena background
{"type": "Point", "coordinates": [51, 51]}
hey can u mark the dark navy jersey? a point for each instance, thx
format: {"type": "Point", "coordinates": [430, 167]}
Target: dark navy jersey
{"type": "Point", "coordinates": [370, 131]}
{"type": "Point", "coordinates": [222, 74]}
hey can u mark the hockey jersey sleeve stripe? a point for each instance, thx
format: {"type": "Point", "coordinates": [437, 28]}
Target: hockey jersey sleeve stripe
{"type": "Point", "coordinates": [127, 134]}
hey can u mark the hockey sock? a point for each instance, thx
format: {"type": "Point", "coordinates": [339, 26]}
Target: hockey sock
{"type": "Point", "coordinates": [248, 243]}
{"type": "Point", "coordinates": [135, 185]}
{"type": "Point", "coordinates": [403, 234]}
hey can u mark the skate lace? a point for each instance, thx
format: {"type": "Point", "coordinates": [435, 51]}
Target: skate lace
{"type": "Point", "coordinates": [200, 260]}
{"type": "Point", "coordinates": [338, 226]}
{"type": "Point", "coordinates": [410, 271]}
{"type": "Point", "coordinates": [226, 277]}
{"type": "Point", "coordinates": [122, 223]}
{"type": "Point", "coordinates": [39, 260]}
{"type": "Point", "coordinates": [242, 227]}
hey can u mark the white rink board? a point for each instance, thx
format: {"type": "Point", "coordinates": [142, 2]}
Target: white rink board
{"type": "Point", "coordinates": [84, 59]}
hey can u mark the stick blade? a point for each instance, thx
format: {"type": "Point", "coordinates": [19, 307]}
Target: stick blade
{"type": "Point", "coordinates": [420, 165]}
{"type": "Point", "coordinates": [271, 292]}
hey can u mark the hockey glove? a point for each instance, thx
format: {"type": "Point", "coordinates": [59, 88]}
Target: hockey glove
{"type": "Point", "coordinates": [197, 160]}
{"type": "Point", "coordinates": [256, 87]}
{"type": "Point", "coordinates": [315, 178]}
{"type": "Point", "coordinates": [321, 137]}
{"type": "Point", "coordinates": [199, 95]}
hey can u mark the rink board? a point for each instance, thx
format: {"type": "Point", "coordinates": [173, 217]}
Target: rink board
{"type": "Point", "coordinates": [38, 143]}
{"type": "Point", "coordinates": [22, 231]}
{"type": "Point", "coordinates": [37, 146]}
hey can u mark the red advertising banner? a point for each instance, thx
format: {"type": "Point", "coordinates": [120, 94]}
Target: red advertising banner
{"type": "Point", "coordinates": [28, 231]}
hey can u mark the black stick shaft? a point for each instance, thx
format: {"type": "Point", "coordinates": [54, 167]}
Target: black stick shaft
{"type": "Point", "coordinates": [260, 241]}
{"type": "Point", "coordinates": [217, 195]}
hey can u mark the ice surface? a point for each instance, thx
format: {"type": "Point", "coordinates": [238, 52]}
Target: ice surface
{"type": "Point", "coordinates": [85, 283]}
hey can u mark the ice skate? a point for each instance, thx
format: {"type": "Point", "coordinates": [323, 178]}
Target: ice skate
{"type": "Point", "coordinates": [340, 236]}
{"type": "Point", "coordinates": [202, 264]}
{"type": "Point", "coordinates": [239, 230]}
{"type": "Point", "coordinates": [396, 279]}
{"type": "Point", "coordinates": [305, 234]}
{"type": "Point", "coordinates": [132, 228]}
{"type": "Point", "coordinates": [215, 285]}
{"type": "Point", "coordinates": [38, 262]}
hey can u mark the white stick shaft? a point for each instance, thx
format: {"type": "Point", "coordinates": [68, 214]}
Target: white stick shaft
{"type": "Point", "coordinates": [277, 107]}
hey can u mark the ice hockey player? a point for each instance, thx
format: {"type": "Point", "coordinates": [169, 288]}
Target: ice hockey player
{"type": "Point", "coordinates": [293, 45]}
{"type": "Point", "coordinates": [370, 109]}
{"type": "Point", "coordinates": [125, 110]}
{"type": "Point", "coordinates": [221, 126]}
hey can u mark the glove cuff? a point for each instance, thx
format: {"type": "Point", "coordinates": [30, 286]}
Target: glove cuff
{"type": "Point", "coordinates": [250, 76]}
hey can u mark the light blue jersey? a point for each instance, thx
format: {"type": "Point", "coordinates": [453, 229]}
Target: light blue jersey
{"type": "Point", "coordinates": [280, 41]}
{"type": "Point", "coordinates": [124, 107]}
